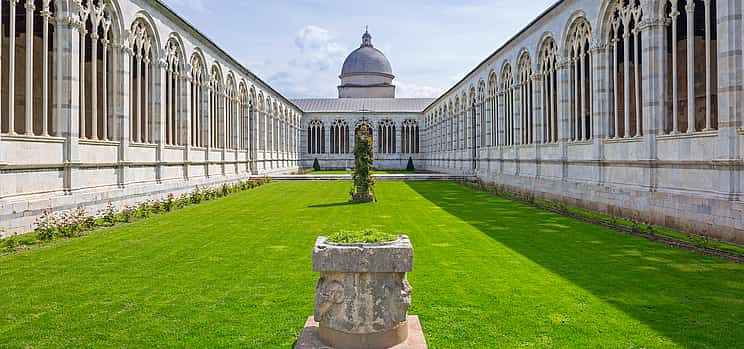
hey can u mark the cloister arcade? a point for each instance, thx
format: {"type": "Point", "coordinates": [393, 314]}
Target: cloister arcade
{"type": "Point", "coordinates": [105, 100]}
{"type": "Point", "coordinates": [626, 102]}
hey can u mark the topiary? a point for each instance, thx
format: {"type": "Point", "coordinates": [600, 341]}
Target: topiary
{"type": "Point", "coordinates": [364, 184]}
{"type": "Point", "coordinates": [316, 165]}
{"type": "Point", "coordinates": [410, 167]}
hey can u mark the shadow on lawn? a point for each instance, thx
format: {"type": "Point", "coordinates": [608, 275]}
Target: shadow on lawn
{"type": "Point", "coordinates": [693, 300]}
{"type": "Point", "coordinates": [335, 204]}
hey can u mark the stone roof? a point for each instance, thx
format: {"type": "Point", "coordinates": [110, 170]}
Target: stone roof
{"type": "Point", "coordinates": [356, 105]}
{"type": "Point", "coordinates": [366, 59]}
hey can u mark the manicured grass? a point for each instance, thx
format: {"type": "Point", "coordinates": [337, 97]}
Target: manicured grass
{"type": "Point", "coordinates": [488, 273]}
{"type": "Point", "coordinates": [337, 172]}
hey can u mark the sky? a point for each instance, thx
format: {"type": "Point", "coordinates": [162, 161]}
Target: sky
{"type": "Point", "coordinates": [298, 46]}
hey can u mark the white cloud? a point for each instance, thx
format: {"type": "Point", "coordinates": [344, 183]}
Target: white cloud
{"type": "Point", "coordinates": [313, 70]}
{"type": "Point", "coordinates": [409, 90]}
{"type": "Point", "coordinates": [318, 49]}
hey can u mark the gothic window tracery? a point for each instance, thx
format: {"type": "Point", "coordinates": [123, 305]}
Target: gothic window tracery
{"type": "Point", "coordinates": [27, 66]}
{"type": "Point", "coordinates": [316, 137]}
{"type": "Point", "coordinates": [549, 100]}
{"type": "Point", "coordinates": [339, 137]}
{"type": "Point", "coordinates": [410, 135]}
{"type": "Point", "coordinates": [173, 98]}
{"type": "Point", "coordinates": [386, 141]}
{"type": "Point", "coordinates": [527, 129]}
{"type": "Point", "coordinates": [579, 67]}
{"type": "Point", "coordinates": [141, 84]}
{"type": "Point", "coordinates": [692, 48]}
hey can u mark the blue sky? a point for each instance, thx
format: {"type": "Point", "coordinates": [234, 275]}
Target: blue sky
{"type": "Point", "coordinates": [299, 46]}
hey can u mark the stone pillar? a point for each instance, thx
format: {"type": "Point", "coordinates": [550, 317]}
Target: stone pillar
{"type": "Point", "coordinates": [207, 125]}
{"type": "Point", "coordinates": [122, 79]}
{"type": "Point", "coordinates": [655, 90]}
{"type": "Point", "coordinates": [563, 75]}
{"type": "Point", "coordinates": [538, 119]}
{"type": "Point", "coordinates": [158, 91]}
{"type": "Point", "coordinates": [363, 295]}
{"type": "Point", "coordinates": [600, 115]}
{"type": "Point", "coordinates": [729, 15]}
{"type": "Point", "coordinates": [67, 91]}
{"type": "Point", "coordinates": [186, 117]}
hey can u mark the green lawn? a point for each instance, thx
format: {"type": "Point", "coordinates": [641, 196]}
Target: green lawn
{"type": "Point", "coordinates": [488, 273]}
{"type": "Point", "coordinates": [337, 172]}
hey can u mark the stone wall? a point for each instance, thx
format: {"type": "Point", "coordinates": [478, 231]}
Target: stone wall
{"type": "Point", "coordinates": [687, 178]}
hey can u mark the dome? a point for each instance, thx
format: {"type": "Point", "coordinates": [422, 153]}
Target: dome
{"type": "Point", "coordinates": [366, 60]}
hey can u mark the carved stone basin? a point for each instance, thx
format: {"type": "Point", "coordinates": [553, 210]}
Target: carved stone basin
{"type": "Point", "coordinates": [363, 295]}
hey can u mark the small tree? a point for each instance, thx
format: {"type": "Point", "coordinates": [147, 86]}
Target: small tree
{"type": "Point", "coordinates": [364, 184]}
{"type": "Point", "coordinates": [410, 167]}
{"type": "Point", "coordinates": [316, 165]}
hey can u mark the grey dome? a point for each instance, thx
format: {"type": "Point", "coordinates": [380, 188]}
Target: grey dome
{"type": "Point", "coordinates": [366, 59]}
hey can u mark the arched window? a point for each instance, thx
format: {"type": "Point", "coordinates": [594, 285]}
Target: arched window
{"type": "Point", "coordinates": [261, 117]}
{"type": "Point", "coordinates": [579, 120]}
{"type": "Point", "coordinates": [244, 117]}
{"type": "Point", "coordinates": [142, 91]}
{"type": "Point", "coordinates": [216, 103]}
{"type": "Point", "coordinates": [625, 40]}
{"type": "Point", "coordinates": [410, 134]}
{"type": "Point", "coordinates": [454, 128]}
{"type": "Point", "coordinates": [96, 70]}
{"type": "Point", "coordinates": [173, 86]}
{"type": "Point", "coordinates": [692, 55]}
{"type": "Point", "coordinates": [197, 101]}
{"type": "Point", "coordinates": [231, 113]}
{"type": "Point", "coordinates": [316, 137]}
{"type": "Point", "coordinates": [549, 101]}
{"type": "Point", "coordinates": [507, 105]}
{"type": "Point", "coordinates": [482, 114]}
{"type": "Point", "coordinates": [339, 137]}
{"type": "Point", "coordinates": [253, 117]}
{"type": "Point", "coordinates": [27, 91]}
{"type": "Point", "coordinates": [386, 137]}
{"type": "Point", "coordinates": [272, 119]}
{"type": "Point", "coordinates": [494, 114]}
{"type": "Point", "coordinates": [525, 95]}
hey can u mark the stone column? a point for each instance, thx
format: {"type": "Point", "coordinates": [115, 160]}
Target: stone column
{"type": "Point", "coordinates": [655, 90]}
{"type": "Point", "coordinates": [186, 117]}
{"type": "Point", "coordinates": [158, 114]}
{"type": "Point", "coordinates": [730, 96]}
{"type": "Point", "coordinates": [67, 92]}
{"type": "Point", "coordinates": [207, 125]}
{"type": "Point", "coordinates": [538, 118]}
{"type": "Point", "coordinates": [122, 79]}
{"type": "Point", "coordinates": [600, 106]}
{"type": "Point", "coordinates": [564, 111]}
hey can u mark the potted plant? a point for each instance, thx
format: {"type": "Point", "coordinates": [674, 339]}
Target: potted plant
{"type": "Point", "coordinates": [363, 294]}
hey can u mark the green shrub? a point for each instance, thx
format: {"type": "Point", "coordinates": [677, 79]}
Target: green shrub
{"type": "Point", "coordinates": [366, 236]}
{"type": "Point", "coordinates": [364, 184]}
{"type": "Point", "coordinates": [409, 166]}
{"type": "Point", "coordinates": [11, 244]}
{"type": "Point", "coordinates": [108, 215]}
{"type": "Point", "coordinates": [316, 165]}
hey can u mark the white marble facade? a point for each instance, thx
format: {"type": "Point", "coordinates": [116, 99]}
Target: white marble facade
{"type": "Point", "coordinates": [160, 109]}
{"type": "Point", "coordinates": [589, 105]}
{"type": "Point", "coordinates": [121, 100]}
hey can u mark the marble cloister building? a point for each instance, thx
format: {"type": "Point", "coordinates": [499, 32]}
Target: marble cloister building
{"type": "Point", "coordinates": [366, 99]}
{"type": "Point", "coordinates": [632, 107]}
